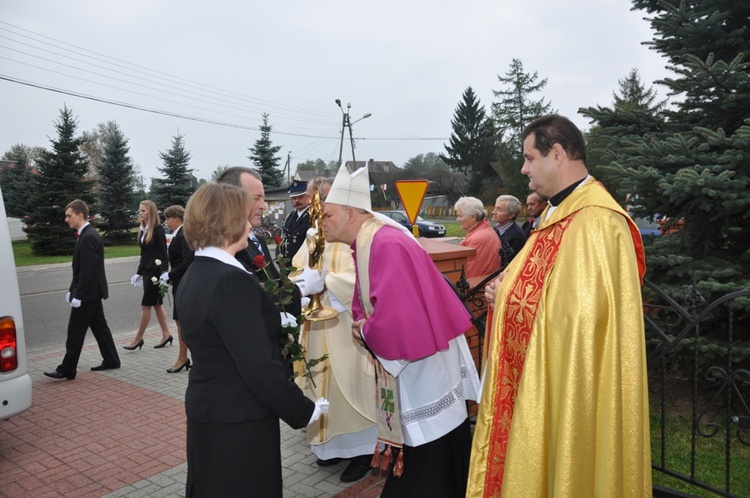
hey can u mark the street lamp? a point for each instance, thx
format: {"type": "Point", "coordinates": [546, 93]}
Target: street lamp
{"type": "Point", "coordinates": [346, 122]}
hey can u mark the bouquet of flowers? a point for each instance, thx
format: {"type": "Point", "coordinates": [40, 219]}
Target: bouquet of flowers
{"type": "Point", "coordinates": [163, 288]}
{"type": "Point", "coordinates": [282, 291]}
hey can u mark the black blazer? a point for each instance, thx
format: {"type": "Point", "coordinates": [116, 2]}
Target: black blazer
{"type": "Point", "coordinates": [89, 280]}
{"type": "Point", "coordinates": [247, 255]}
{"type": "Point", "coordinates": [232, 329]}
{"type": "Point", "coordinates": [150, 252]}
{"type": "Point", "coordinates": [180, 257]}
{"type": "Point", "coordinates": [293, 234]}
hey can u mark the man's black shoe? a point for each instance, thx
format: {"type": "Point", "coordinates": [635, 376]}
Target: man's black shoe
{"type": "Point", "coordinates": [357, 469]}
{"type": "Point", "coordinates": [329, 462]}
{"type": "Point", "coordinates": [57, 375]}
{"type": "Point", "coordinates": [103, 367]}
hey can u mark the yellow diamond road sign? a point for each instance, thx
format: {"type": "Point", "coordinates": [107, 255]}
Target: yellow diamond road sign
{"type": "Point", "coordinates": [412, 194]}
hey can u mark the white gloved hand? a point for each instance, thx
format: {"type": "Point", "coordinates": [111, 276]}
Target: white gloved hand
{"type": "Point", "coordinates": [67, 298]}
{"type": "Point", "coordinates": [304, 301]}
{"type": "Point", "coordinates": [288, 320]}
{"type": "Point", "coordinates": [311, 233]}
{"type": "Point", "coordinates": [164, 279]}
{"type": "Point", "coordinates": [312, 281]}
{"type": "Point", "coordinates": [135, 278]}
{"type": "Point", "coordinates": [75, 303]}
{"type": "Point", "coordinates": [321, 407]}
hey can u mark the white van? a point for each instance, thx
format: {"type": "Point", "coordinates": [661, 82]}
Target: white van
{"type": "Point", "coordinates": [15, 382]}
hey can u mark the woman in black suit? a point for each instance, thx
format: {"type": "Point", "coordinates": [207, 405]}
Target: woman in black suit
{"type": "Point", "coordinates": [237, 388]}
{"type": "Point", "coordinates": [153, 262]}
{"type": "Point", "coordinates": [180, 257]}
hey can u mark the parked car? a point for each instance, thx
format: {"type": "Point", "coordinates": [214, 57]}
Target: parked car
{"type": "Point", "coordinates": [15, 382]}
{"type": "Point", "coordinates": [426, 228]}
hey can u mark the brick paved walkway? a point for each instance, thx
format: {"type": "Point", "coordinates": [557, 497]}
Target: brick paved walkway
{"type": "Point", "coordinates": [121, 433]}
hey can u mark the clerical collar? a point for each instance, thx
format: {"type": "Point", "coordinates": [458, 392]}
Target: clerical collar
{"type": "Point", "coordinates": [556, 199]}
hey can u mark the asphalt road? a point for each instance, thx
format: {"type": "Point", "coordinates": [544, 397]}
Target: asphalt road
{"type": "Point", "coordinates": [45, 312]}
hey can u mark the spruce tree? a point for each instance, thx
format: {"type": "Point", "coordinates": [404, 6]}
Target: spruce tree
{"type": "Point", "coordinates": [178, 183]}
{"type": "Point", "coordinates": [471, 144]}
{"type": "Point", "coordinates": [116, 181]}
{"type": "Point", "coordinates": [17, 180]}
{"type": "Point", "coordinates": [635, 112]}
{"type": "Point", "coordinates": [510, 115]}
{"type": "Point", "coordinates": [62, 178]}
{"type": "Point", "coordinates": [263, 156]}
{"type": "Point", "coordinates": [696, 171]}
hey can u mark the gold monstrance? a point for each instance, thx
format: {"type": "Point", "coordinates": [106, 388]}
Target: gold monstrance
{"type": "Point", "coordinates": [315, 311]}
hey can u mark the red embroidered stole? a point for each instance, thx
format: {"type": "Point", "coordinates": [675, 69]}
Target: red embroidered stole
{"type": "Point", "coordinates": [516, 325]}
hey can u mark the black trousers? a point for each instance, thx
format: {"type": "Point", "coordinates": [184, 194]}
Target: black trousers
{"type": "Point", "coordinates": [89, 314]}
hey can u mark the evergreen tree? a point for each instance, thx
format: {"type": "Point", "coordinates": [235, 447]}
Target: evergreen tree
{"type": "Point", "coordinates": [263, 156]}
{"type": "Point", "coordinates": [61, 178]}
{"type": "Point", "coordinates": [116, 181]}
{"type": "Point", "coordinates": [697, 170]}
{"type": "Point", "coordinates": [635, 112]}
{"type": "Point", "coordinates": [511, 114]}
{"type": "Point", "coordinates": [178, 183]}
{"type": "Point", "coordinates": [17, 180]}
{"type": "Point", "coordinates": [471, 142]}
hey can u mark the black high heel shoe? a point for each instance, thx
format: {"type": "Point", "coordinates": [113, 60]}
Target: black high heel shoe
{"type": "Point", "coordinates": [167, 340]}
{"type": "Point", "coordinates": [185, 365]}
{"type": "Point", "coordinates": [137, 346]}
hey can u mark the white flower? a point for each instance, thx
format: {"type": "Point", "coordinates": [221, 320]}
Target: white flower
{"type": "Point", "coordinates": [154, 279]}
{"type": "Point", "coordinates": [158, 262]}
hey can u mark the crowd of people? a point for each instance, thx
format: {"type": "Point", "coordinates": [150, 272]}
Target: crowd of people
{"type": "Point", "coordinates": [563, 402]}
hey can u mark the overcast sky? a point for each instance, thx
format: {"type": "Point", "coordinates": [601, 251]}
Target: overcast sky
{"type": "Point", "coordinates": [208, 70]}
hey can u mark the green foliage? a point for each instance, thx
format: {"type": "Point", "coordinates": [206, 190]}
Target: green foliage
{"type": "Point", "coordinates": [634, 113]}
{"type": "Point", "coordinates": [17, 180]}
{"type": "Point", "coordinates": [116, 180]}
{"type": "Point", "coordinates": [471, 142]}
{"type": "Point", "coordinates": [690, 163]}
{"type": "Point", "coordinates": [510, 115]}
{"type": "Point", "coordinates": [61, 178]}
{"type": "Point", "coordinates": [178, 183]}
{"type": "Point", "coordinates": [263, 156]}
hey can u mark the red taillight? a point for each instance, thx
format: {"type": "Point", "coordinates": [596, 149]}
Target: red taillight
{"type": "Point", "coordinates": [8, 345]}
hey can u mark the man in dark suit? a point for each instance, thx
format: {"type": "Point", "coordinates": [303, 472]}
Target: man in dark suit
{"type": "Point", "coordinates": [298, 221]}
{"type": "Point", "coordinates": [88, 288]}
{"type": "Point", "coordinates": [511, 236]}
{"type": "Point", "coordinates": [249, 180]}
{"type": "Point", "coordinates": [535, 204]}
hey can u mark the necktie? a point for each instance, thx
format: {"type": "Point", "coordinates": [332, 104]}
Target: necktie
{"type": "Point", "coordinates": [257, 244]}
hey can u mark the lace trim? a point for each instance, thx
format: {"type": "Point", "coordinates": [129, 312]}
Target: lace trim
{"type": "Point", "coordinates": [433, 409]}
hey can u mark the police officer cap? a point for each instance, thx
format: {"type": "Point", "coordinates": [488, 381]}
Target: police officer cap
{"type": "Point", "coordinates": [297, 188]}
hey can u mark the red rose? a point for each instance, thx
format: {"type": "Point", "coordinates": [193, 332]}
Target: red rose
{"type": "Point", "coordinates": [277, 239]}
{"type": "Point", "coordinates": [259, 261]}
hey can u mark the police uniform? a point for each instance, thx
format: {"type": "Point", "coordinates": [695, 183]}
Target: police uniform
{"type": "Point", "coordinates": [295, 227]}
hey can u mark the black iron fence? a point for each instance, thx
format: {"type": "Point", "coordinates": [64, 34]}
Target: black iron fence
{"type": "Point", "coordinates": [699, 385]}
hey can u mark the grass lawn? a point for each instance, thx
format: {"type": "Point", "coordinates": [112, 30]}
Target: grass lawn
{"type": "Point", "coordinates": [24, 257]}
{"type": "Point", "coordinates": [710, 453]}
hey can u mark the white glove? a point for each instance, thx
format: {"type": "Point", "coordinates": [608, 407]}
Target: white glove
{"type": "Point", "coordinates": [75, 303]}
{"type": "Point", "coordinates": [304, 301]}
{"type": "Point", "coordinates": [67, 298]}
{"type": "Point", "coordinates": [135, 278]}
{"type": "Point", "coordinates": [312, 282]}
{"type": "Point", "coordinates": [164, 279]}
{"type": "Point", "coordinates": [288, 320]}
{"type": "Point", "coordinates": [321, 406]}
